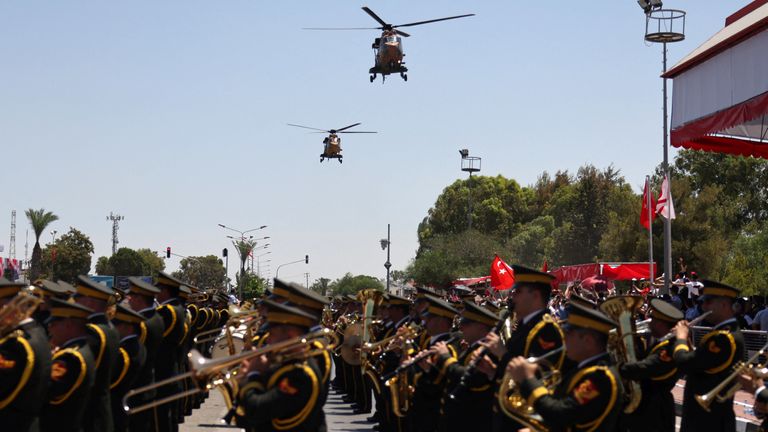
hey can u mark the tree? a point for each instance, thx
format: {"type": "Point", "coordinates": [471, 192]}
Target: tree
{"type": "Point", "coordinates": [68, 257]}
{"type": "Point", "coordinates": [152, 262]}
{"type": "Point", "coordinates": [102, 266]}
{"type": "Point", "coordinates": [206, 272]}
{"type": "Point", "coordinates": [349, 284]}
{"type": "Point", "coordinates": [253, 286]}
{"type": "Point", "coordinates": [126, 262]}
{"type": "Point", "coordinates": [320, 286]}
{"type": "Point", "coordinates": [39, 219]}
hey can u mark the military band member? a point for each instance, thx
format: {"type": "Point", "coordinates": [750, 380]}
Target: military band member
{"type": "Point", "coordinates": [104, 341]}
{"type": "Point", "coordinates": [711, 361]}
{"type": "Point", "coordinates": [73, 370]}
{"type": "Point", "coordinates": [283, 396]}
{"type": "Point", "coordinates": [47, 289]}
{"type": "Point", "coordinates": [130, 362]}
{"type": "Point", "coordinates": [657, 373]}
{"type": "Point", "coordinates": [470, 408]}
{"type": "Point", "coordinates": [589, 397]}
{"type": "Point", "coordinates": [25, 369]}
{"type": "Point", "coordinates": [398, 318]}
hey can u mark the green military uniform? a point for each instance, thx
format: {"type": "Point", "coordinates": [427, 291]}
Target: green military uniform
{"type": "Point", "coordinates": [25, 370]}
{"type": "Point", "coordinates": [589, 397]}
{"type": "Point", "coordinates": [73, 373]}
{"type": "Point", "coordinates": [104, 342]}
{"type": "Point", "coordinates": [288, 396]}
{"type": "Point", "coordinates": [130, 364]}
{"type": "Point", "coordinates": [657, 373]}
{"type": "Point", "coordinates": [707, 366]}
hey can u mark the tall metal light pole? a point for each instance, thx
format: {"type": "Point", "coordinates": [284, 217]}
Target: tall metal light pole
{"type": "Point", "coordinates": [470, 164]}
{"type": "Point", "coordinates": [242, 258]}
{"type": "Point", "coordinates": [385, 245]}
{"type": "Point", "coordinates": [664, 26]}
{"type": "Point", "coordinates": [305, 261]}
{"type": "Point", "coordinates": [115, 218]}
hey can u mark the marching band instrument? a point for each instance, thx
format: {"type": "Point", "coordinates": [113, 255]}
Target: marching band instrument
{"type": "Point", "coordinates": [730, 385]}
{"type": "Point", "coordinates": [18, 308]}
{"type": "Point", "coordinates": [622, 309]}
{"type": "Point", "coordinates": [693, 322]}
{"type": "Point", "coordinates": [415, 360]}
{"type": "Point", "coordinates": [234, 322]}
{"type": "Point", "coordinates": [410, 331]}
{"type": "Point", "coordinates": [198, 297]}
{"type": "Point", "coordinates": [205, 374]}
{"type": "Point", "coordinates": [512, 402]}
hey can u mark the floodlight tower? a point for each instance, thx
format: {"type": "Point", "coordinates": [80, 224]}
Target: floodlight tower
{"type": "Point", "coordinates": [664, 26]}
{"type": "Point", "coordinates": [115, 218]}
{"type": "Point", "coordinates": [12, 247]}
{"type": "Point", "coordinates": [470, 164]}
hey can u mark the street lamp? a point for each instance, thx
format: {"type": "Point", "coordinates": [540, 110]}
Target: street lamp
{"type": "Point", "coordinates": [243, 257]}
{"type": "Point", "coordinates": [470, 164]}
{"type": "Point", "coordinates": [242, 233]}
{"type": "Point", "coordinates": [385, 245]}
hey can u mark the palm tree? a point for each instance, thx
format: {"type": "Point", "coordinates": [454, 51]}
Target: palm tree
{"type": "Point", "coordinates": [39, 219]}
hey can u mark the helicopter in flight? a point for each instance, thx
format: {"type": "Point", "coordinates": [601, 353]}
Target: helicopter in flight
{"type": "Point", "coordinates": [388, 47]}
{"type": "Point", "coordinates": [332, 143]}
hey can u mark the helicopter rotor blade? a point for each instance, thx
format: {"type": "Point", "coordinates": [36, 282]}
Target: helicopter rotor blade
{"type": "Point", "coordinates": [376, 17]}
{"type": "Point", "coordinates": [347, 127]}
{"type": "Point", "coordinates": [341, 28]}
{"type": "Point", "coordinates": [307, 127]}
{"type": "Point", "coordinates": [402, 33]}
{"type": "Point", "coordinates": [355, 132]}
{"type": "Point", "coordinates": [431, 21]}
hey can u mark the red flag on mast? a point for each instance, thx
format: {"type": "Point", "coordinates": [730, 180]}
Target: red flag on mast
{"type": "Point", "coordinates": [647, 216]}
{"type": "Point", "coordinates": [502, 276]}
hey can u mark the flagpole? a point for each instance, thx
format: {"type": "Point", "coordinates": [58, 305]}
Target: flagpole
{"type": "Point", "coordinates": [667, 220]}
{"type": "Point", "coordinates": [650, 230]}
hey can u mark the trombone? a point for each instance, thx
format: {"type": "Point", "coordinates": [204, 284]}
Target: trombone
{"type": "Point", "coordinates": [724, 391]}
{"type": "Point", "coordinates": [232, 324]}
{"type": "Point", "coordinates": [205, 373]}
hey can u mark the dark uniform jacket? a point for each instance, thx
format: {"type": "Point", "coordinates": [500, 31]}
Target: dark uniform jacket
{"type": "Point", "coordinates": [284, 399]}
{"type": "Point", "coordinates": [706, 367]}
{"type": "Point", "coordinates": [72, 378]}
{"type": "Point", "coordinates": [174, 320]}
{"type": "Point", "coordinates": [130, 364]}
{"type": "Point", "coordinates": [104, 341]}
{"type": "Point", "coordinates": [429, 387]}
{"type": "Point", "coordinates": [589, 398]}
{"type": "Point", "coordinates": [657, 374]}
{"type": "Point", "coordinates": [534, 338]}
{"type": "Point", "coordinates": [25, 371]}
{"type": "Point", "coordinates": [471, 408]}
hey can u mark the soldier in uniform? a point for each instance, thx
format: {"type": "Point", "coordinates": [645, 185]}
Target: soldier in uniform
{"type": "Point", "coordinates": [170, 352]}
{"type": "Point", "coordinates": [711, 362]}
{"type": "Point", "coordinates": [48, 289]}
{"type": "Point", "coordinates": [588, 397]}
{"type": "Point", "coordinates": [141, 298]}
{"type": "Point", "coordinates": [657, 373]}
{"type": "Point", "coordinates": [72, 369]}
{"type": "Point", "coordinates": [537, 333]}
{"type": "Point", "coordinates": [130, 362]}
{"type": "Point", "coordinates": [429, 380]}
{"type": "Point", "coordinates": [105, 342]}
{"type": "Point", "coordinates": [25, 368]}
{"type": "Point", "coordinates": [469, 407]}
{"type": "Point", "coordinates": [283, 396]}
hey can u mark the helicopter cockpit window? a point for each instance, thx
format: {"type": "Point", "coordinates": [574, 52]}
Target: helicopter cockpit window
{"type": "Point", "coordinates": [391, 39]}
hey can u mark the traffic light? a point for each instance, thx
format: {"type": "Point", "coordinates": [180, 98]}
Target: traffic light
{"type": "Point", "coordinates": [306, 259]}
{"type": "Point", "coordinates": [168, 252]}
{"type": "Point", "coordinates": [224, 253]}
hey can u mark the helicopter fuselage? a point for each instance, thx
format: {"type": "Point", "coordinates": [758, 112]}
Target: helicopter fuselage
{"type": "Point", "coordinates": [389, 55]}
{"type": "Point", "coordinates": [332, 147]}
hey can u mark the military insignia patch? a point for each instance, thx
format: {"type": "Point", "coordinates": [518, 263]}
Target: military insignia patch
{"type": "Point", "coordinates": [585, 392]}
{"type": "Point", "coordinates": [546, 345]}
{"type": "Point", "coordinates": [58, 370]}
{"type": "Point", "coordinates": [6, 363]}
{"type": "Point", "coordinates": [286, 387]}
{"type": "Point", "coordinates": [713, 348]}
{"type": "Point", "coordinates": [664, 356]}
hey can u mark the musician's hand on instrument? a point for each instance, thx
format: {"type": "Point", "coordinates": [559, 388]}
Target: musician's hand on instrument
{"type": "Point", "coordinates": [485, 365]}
{"type": "Point", "coordinates": [492, 342]}
{"type": "Point", "coordinates": [681, 330]}
{"type": "Point", "coordinates": [257, 364]}
{"type": "Point", "coordinates": [521, 369]}
{"type": "Point", "coordinates": [747, 382]}
{"type": "Point", "coordinates": [440, 348]}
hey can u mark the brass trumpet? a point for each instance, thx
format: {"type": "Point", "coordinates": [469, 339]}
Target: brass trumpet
{"type": "Point", "coordinates": [198, 297]}
{"type": "Point", "coordinates": [205, 373]}
{"type": "Point", "coordinates": [232, 324]}
{"type": "Point", "coordinates": [410, 332]}
{"type": "Point", "coordinates": [724, 391]}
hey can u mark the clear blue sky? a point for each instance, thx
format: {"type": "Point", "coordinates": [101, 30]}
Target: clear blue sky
{"type": "Point", "coordinates": [173, 114]}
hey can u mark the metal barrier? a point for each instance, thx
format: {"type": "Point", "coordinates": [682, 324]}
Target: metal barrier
{"type": "Point", "coordinates": [753, 341]}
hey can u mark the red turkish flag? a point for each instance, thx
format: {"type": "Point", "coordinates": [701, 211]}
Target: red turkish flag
{"type": "Point", "coordinates": [545, 267]}
{"type": "Point", "coordinates": [645, 217]}
{"type": "Point", "coordinates": [502, 276]}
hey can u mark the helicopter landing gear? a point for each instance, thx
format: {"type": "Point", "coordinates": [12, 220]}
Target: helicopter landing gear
{"type": "Point", "coordinates": [340, 161]}
{"type": "Point", "coordinates": [404, 76]}
{"type": "Point", "coordinates": [373, 77]}
{"type": "Point", "coordinates": [322, 159]}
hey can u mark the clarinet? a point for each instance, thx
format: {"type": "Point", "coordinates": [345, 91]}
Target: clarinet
{"type": "Point", "coordinates": [464, 382]}
{"type": "Point", "coordinates": [417, 358]}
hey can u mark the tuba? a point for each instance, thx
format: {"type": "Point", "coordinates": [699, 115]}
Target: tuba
{"type": "Point", "coordinates": [621, 344]}
{"type": "Point", "coordinates": [512, 402]}
{"type": "Point", "coordinates": [18, 308]}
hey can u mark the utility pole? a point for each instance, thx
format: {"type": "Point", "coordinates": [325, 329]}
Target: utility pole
{"type": "Point", "coordinates": [307, 276]}
{"type": "Point", "coordinates": [12, 247]}
{"type": "Point", "coordinates": [115, 218]}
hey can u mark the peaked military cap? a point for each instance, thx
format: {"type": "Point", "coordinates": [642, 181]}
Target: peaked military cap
{"type": "Point", "coordinates": [352, 299]}
{"type": "Point", "coordinates": [127, 315]}
{"type": "Point", "coordinates": [50, 288]}
{"type": "Point", "coordinates": [439, 307]}
{"type": "Point", "coordinates": [422, 292]}
{"type": "Point", "coordinates": [528, 276]}
{"type": "Point", "coordinates": [10, 288]}
{"type": "Point", "coordinates": [395, 300]}
{"type": "Point", "coordinates": [61, 309]}
{"type": "Point", "coordinates": [280, 314]}
{"type": "Point", "coordinates": [582, 301]}
{"type": "Point", "coordinates": [583, 317]}
{"type": "Point", "coordinates": [665, 311]}
{"type": "Point", "coordinates": [164, 280]}
{"type": "Point", "coordinates": [141, 287]}
{"type": "Point", "coordinates": [90, 288]}
{"type": "Point", "coordinates": [184, 292]}
{"type": "Point", "coordinates": [469, 297]}
{"type": "Point", "coordinates": [718, 289]}
{"type": "Point", "coordinates": [67, 286]}
{"type": "Point", "coordinates": [473, 312]}
{"type": "Point", "coordinates": [299, 296]}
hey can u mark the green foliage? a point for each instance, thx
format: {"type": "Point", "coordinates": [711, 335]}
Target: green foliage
{"type": "Point", "coordinates": [39, 219]}
{"type": "Point", "coordinates": [72, 257]}
{"type": "Point", "coordinates": [747, 266]}
{"type": "Point", "coordinates": [253, 286]}
{"type": "Point", "coordinates": [129, 262]}
{"type": "Point", "coordinates": [206, 272]}
{"type": "Point", "coordinates": [153, 263]}
{"type": "Point", "coordinates": [349, 284]}
{"type": "Point", "coordinates": [320, 286]}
